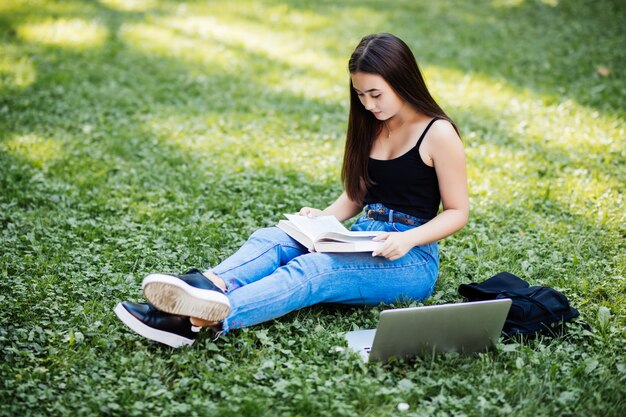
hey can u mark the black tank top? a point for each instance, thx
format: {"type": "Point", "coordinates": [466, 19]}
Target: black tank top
{"type": "Point", "coordinates": [405, 184]}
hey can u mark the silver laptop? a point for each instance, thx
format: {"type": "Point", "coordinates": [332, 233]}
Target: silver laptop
{"type": "Point", "coordinates": [406, 332]}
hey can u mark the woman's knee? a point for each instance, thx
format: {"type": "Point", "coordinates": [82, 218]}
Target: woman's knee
{"type": "Point", "coordinates": [266, 233]}
{"type": "Point", "coordinates": [270, 234]}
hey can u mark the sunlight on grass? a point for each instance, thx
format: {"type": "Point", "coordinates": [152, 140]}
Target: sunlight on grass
{"type": "Point", "coordinates": [518, 154]}
{"type": "Point", "coordinates": [526, 115]}
{"type": "Point", "coordinates": [281, 42]}
{"type": "Point", "coordinates": [32, 148]}
{"type": "Point", "coordinates": [236, 145]}
{"type": "Point", "coordinates": [518, 3]}
{"type": "Point", "coordinates": [499, 173]}
{"type": "Point", "coordinates": [257, 40]}
{"type": "Point", "coordinates": [15, 70]}
{"type": "Point", "coordinates": [231, 46]}
{"type": "Point", "coordinates": [70, 33]}
{"type": "Point", "coordinates": [129, 5]}
{"type": "Point", "coordinates": [42, 7]}
{"type": "Point", "coordinates": [154, 39]}
{"type": "Point", "coordinates": [262, 14]}
{"type": "Point", "coordinates": [8, 7]}
{"type": "Point", "coordinates": [507, 3]}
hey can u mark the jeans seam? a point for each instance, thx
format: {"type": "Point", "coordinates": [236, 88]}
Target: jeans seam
{"type": "Point", "coordinates": [264, 250]}
{"type": "Point", "coordinates": [362, 268]}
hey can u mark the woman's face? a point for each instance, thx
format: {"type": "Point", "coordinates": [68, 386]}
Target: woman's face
{"type": "Point", "coordinates": [376, 95]}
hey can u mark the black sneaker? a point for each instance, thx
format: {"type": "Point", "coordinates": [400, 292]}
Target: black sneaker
{"type": "Point", "coordinates": [191, 294]}
{"type": "Point", "coordinates": [169, 329]}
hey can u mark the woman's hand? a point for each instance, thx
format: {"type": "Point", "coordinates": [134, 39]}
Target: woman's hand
{"type": "Point", "coordinates": [395, 245]}
{"type": "Point", "coordinates": [310, 212]}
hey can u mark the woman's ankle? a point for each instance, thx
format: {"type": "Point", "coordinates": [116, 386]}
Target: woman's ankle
{"type": "Point", "coordinates": [215, 280]}
{"type": "Point", "coordinates": [203, 323]}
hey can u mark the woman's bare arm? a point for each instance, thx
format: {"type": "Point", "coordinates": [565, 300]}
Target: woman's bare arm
{"type": "Point", "coordinates": [343, 209]}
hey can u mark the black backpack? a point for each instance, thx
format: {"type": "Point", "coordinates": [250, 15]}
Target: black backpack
{"type": "Point", "coordinates": [533, 309]}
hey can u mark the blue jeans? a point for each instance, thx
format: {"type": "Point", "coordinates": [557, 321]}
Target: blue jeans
{"type": "Point", "coordinates": [272, 275]}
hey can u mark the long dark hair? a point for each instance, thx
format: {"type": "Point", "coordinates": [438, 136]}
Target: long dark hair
{"type": "Point", "coordinates": [388, 56]}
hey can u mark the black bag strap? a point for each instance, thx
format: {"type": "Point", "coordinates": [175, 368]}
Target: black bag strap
{"type": "Point", "coordinates": [490, 288]}
{"type": "Point", "coordinates": [512, 294]}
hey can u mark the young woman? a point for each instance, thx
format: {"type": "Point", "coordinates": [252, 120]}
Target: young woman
{"type": "Point", "coordinates": [403, 157]}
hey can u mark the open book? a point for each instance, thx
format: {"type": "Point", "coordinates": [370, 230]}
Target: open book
{"type": "Point", "coordinates": [327, 234]}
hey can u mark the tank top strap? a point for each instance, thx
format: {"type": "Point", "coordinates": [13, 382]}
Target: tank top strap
{"type": "Point", "coordinates": [419, 141]}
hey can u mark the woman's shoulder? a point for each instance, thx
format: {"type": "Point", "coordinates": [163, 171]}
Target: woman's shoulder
{"type": "Point", "coordinates": [442, 128]}
{"type": "Point", "coordinates": [441, 138]}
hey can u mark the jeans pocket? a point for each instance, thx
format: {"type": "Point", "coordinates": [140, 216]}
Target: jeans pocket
{"type": "Point", "coordinates": [361, 224]}
{"type": "Point", "coordinates": [400, 227]}
{"type": "Point", "coordinates": [361, 219]}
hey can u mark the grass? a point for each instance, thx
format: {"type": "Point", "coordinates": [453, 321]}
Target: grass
{"type": "Point", "coordinates": [149, 135]}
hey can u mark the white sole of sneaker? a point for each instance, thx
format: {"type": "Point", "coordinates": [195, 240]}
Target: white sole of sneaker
{"type": "Point", "coordinates": [175, 296]}
{"type": "Point", "coordinates": [170, 339]}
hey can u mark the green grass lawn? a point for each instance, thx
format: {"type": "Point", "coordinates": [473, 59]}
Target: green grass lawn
{"type": "Point", "coordinates": [152, 135]}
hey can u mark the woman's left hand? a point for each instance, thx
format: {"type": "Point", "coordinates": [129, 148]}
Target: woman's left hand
{"type": "Point", "coordinates": [310, 212]}
{"type": "Point", "coordinates": [395, 245]}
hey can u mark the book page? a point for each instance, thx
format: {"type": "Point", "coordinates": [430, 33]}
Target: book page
{"type": "Point", "coordinates": [295, 233]}
{"type": "Point", "coordinates": [314, 226]}
{"type": "Point", "coordinates": [334, 246]}
{"type": "Point", "coordinates": [342, 237]}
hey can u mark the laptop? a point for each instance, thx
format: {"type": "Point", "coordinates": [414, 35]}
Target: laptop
{"type": "Point", "coordinates": [419, 331]}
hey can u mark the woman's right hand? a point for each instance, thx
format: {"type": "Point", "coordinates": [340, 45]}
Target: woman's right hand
{"type": "Point", "coordinates": [310, 212]}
